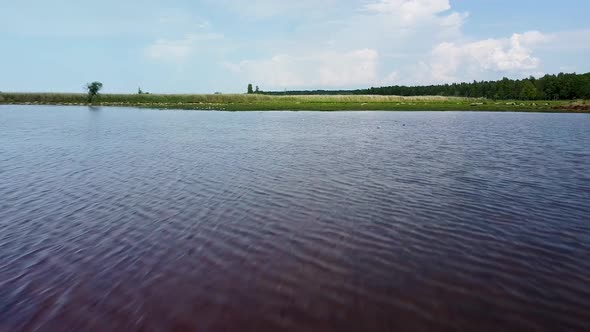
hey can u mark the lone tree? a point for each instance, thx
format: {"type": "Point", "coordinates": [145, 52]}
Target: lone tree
{"type": "Point", "coordinates": [257, 90]}
{"type": "Point", "coordinates": [93, 89]}
{"type": "Point", "coordinates": [250, 90]}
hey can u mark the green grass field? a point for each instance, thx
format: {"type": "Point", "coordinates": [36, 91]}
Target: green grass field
{"type": "Point", "coordinates": [254, 102]}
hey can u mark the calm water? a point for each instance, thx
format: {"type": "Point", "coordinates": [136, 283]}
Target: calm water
{"type": "Point", "coordinates": [144, 220]}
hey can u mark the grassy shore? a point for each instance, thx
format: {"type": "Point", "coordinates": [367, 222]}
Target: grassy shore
{"type": "Point", "coordinates": [243, 102]}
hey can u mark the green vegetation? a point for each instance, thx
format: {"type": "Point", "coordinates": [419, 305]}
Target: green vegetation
{"type": "Point", "coordinates": [251, 102]}
{"type": "Point", "coordinates": [250, 91]}
{"type": "Point", "coordinates": [549, 87]}
{"type": "Point", "coordinates": [550, 93]}
{"type": "Point", "coordinates": [93, 89]}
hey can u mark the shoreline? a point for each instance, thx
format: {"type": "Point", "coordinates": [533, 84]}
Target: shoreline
{"type": "Point", "coordinates": [311, 108]}
{"type": "Point", "coordinates": [297, 103]}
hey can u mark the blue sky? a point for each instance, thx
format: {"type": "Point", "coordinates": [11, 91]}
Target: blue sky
{"type": "Point", "coordinates": [183, 46]}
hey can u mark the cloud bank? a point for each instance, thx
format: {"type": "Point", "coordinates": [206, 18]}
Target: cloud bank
{"type": "Point", "coordinates": [377, 42]}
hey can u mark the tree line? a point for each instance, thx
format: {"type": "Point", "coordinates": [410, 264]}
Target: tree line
{"type": "Point", "coordinates": [549, 87]}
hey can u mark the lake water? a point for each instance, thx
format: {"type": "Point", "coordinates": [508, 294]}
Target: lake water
{"type": "Point", "coordinates": [145, 220]}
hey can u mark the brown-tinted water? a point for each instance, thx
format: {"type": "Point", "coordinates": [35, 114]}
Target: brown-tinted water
{"type": "Point", "coordinates": [144, 220]}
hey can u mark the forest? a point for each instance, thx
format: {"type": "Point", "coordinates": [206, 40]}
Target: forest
{"type": "Point", "coordinates": [549, 87]}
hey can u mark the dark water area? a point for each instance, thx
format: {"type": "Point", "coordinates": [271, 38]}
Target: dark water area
{"type": "Point", "coordinates": [144, 220]}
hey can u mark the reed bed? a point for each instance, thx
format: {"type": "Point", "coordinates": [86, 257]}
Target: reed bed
{"type": "Point", "coordinates": [244, 102]}
{"type": "Point", "coordinates": [211, 98]}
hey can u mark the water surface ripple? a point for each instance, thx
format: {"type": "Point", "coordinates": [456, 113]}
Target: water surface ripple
{"type": "Point", "coordinates": [143, 220]}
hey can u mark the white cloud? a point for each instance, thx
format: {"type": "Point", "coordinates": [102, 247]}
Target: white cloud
{"type": "Point", "coordinates": [178, 50]}
{"type": "Point", "coordinates": [391, 79]}
{"type": "Point", "coordinates": [412, 22]}
{"type": "Point", "coordinates": [453, 20]}
{"type": "Point", "coordinates": [324, 69]}
{"type": "Point", "coordinates": [409, 11]}
{"type": "Point", "coordinates": [351, 68]}
{"type": "Point", "coordinates": [568, 41]}
{"type": "Point", "coordinates": [450, 62]}
{"type": "Point", "coordinates": [368, 43]}
{"type": "Point", "coordinates": [346, 53]}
